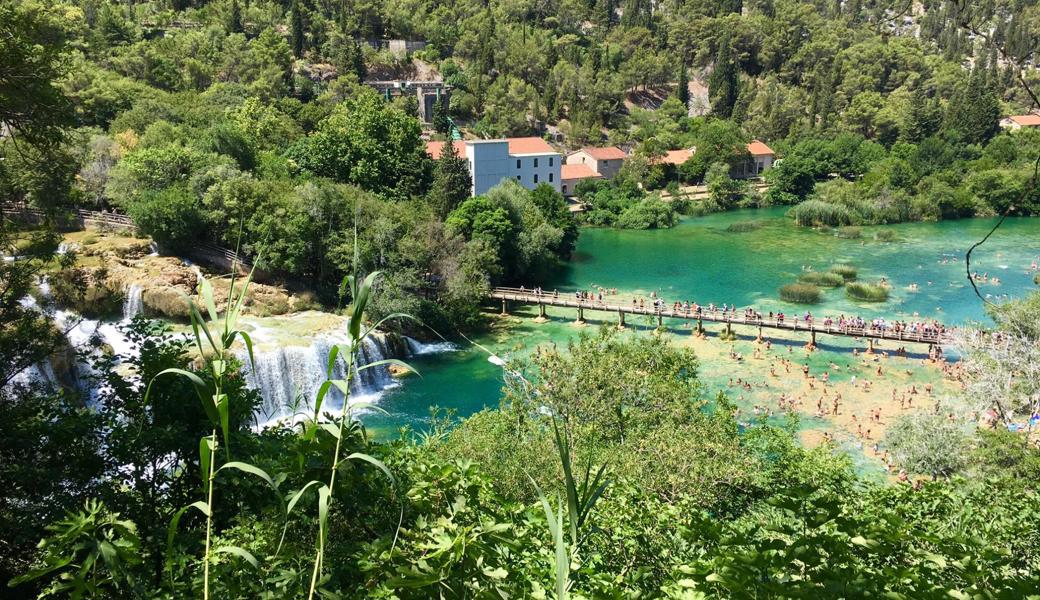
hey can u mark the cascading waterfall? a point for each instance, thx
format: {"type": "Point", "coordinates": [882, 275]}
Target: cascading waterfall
{"type": "Point", "coordinates": [417, 348]}
{"type": "Point", "coordinates": [288, 377]}
{"type": "Point", "coordinates": [133, 303]}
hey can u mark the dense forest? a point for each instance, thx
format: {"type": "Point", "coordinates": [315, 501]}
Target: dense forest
{"type": "Point", "coordinates": [607, 471]}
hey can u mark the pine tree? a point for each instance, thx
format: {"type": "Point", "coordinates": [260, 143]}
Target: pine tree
{"type": "Point", "coordinates": [297, 29]}
{"type": "Point", "coordinates": [235, 18]}
{"type": "Point", "coordinates": [724, 85]}
{"type": "Point", "coordinates": [683, 88]}
{"type": "Point", "coordinates": [451, 181]}
{"type": "Point", "coordinates": [975, 110]}
{"type": "Point", "coordinates": [440, 121]}
{"type": "Point", "coordinates": [925, 117]}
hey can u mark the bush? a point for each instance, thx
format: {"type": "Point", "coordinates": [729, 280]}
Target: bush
{"type": "Point", "coordinates": [172, 217]}
{"type": "Point", "coordinates": [823, 279]}
{"type": "Point", "coordinates": [1036, 279]}
{"type": "Point", "coordinates": [800, 293]}
{"type": "Point", "coordinates": [848, 272]}
{"type": "Point", "coordinates": [867, 292]}
{"type": "Point", "coordinates": [884, 235]}
{"type": "Point", "coordinates": [850, 233]}
{"type": "Point", "coordinates": [744, 226]}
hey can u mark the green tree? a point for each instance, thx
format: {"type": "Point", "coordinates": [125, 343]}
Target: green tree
{"type": "Point", "coordinates": [724, 83]}
{"type": "Point", "coordinates": [234, 24]}
{"type": "Point", "coordinates": [297, 34]}
{"type": "Point", "coordinates": [452, 183]}
{"type": "Point", "coordinates": [924, 118]}
{"type": "Point", "coordinates": [682, 89]}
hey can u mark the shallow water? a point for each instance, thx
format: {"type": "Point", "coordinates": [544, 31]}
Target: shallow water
{"type": "Point", "coordinates": [700, 261]}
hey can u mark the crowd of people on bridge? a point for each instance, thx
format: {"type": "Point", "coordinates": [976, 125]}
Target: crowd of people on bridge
{"type": "Point", "coordinates": [600, 298]}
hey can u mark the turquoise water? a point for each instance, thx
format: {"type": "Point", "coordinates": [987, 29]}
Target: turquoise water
{"type": "Point", "coordinates": [700, 261]}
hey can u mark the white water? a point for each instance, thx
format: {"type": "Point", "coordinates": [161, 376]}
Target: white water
{"type": "Point", "coordinates": [417, 348]}
{"type": "Point", "coordinates": [288, 377]}
{"type": "Point", "coordinates": [132, 303]}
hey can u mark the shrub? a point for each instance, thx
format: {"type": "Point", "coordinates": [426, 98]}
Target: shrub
{"type": "Point", "coordinates": [848, 272]}
{"type": "Point", "coordinates": [884, 235]}
{"type": "Point", "coordinates": [850, 233]}
{"type": "Point", "coordinates": [823, 279]}
{"type": "Point", "coordinates": [744, 226]}
{"type": "Point", "coordinates": [1036, 279]}
{"type": "Point", "coordinates": [867, 292]}
{"type": "Point", "coordinates": [800, 293]}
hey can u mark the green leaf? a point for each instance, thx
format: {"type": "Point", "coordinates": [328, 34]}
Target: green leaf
{"type": "Point", "coordinates": [222, 402]}
{"type": "Point", "coordinates": [207, 296]}
{"type": "Point", "coordinates": [248, 468]}
{"type": "Point", "coordinates": [375, 462]}
{"type": "Point", "coordinates": [239, 552]}
{"type": "Point", "coordinates": [200, 389]}
{"type": "Point", "coordinates": [332, 428]}
{"type": "Point", "coordinates": [288, 511]}
{"type": "Point", "coordinates": [205, 456]}
{"type": "Point", "coordinates": [171, 531]}
{"type": "Point", "coordinates": [389, 361]}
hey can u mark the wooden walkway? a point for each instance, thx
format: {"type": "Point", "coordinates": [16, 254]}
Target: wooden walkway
{"type": "Point", "coordinates": [730, 318]}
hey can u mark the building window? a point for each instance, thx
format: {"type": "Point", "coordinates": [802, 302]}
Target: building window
{"type": "Point", "coordinates": [536, 163]}
{"type": "Point", "coordinates": [518, 163]}
{"type": "Point", "coordinates": [536, 174]}
{"type": "Point", "coordinates": [564, 189]}
{"type": "Point", "coordinates": [518, 178]}
{"type": "Point", "coordinates": [550, 161]}
{"type": "Point", "coordinates": [550, 177]}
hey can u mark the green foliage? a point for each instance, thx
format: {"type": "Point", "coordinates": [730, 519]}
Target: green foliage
{"type": "Point", "coordinates": [803, 292]}
{"type": "Point", "coordinates": [451, 182]}
{"type": "Point", "coordinates": [848, 272]}
{"type": "Point", "coordinates": [866, 292]}
{"type": "Point", "coordinates": [171, 216]}
{"type": "Point", "coordinates": [744, 226]}
{"type": "Point", "coordinates": [822, 279]}
{"type": "Point", "coordinates": [724, 85]}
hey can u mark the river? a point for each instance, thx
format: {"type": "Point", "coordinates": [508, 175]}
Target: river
{"type": "Point", "coordinates": [700, 260]}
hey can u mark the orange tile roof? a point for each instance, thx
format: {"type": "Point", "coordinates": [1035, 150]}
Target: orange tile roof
{"type": "Point", "coordinates": [1026, 120]}
{"type": "Point", "coordinates": [434, 149]}
{"type": "Point", "coordinates": [676, 157]}
{"type": "Point", "coordinates": [577, 172]}
{"type": "Point", "coordinates": [529, 145]}
{"type": "Point", "coordinates": [608, 153]}
{"type": "Point", "coordinates": [757, 148]}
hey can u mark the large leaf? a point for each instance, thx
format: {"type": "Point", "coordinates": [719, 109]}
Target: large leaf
{"type": "Point", "coordinates": [288, 511]}
{"type": "Point", "coordinates": [389, 361]}
{"type": "Point", "coordinates": [205, 456]}
{"type": "Point", "coordinates": [200, 389]}
{"type": "Point", "coordinates": [374, 462]}
{"type": "Point", "coordinates": [239, 552]}
{"type": "Point", "coordinates": [251, 469]}
{"type": "Point", "coordinates": [207, 297]}
{"type": "Point", "coordinates": [171, 531]}
{"type": "Point", "coordinates": [222, 401]}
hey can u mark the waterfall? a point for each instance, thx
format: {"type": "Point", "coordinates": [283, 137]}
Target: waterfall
{"type": "Point", "coordinates": [417, 348]}
{"type": "Point", "coordinates": [288, 377]}
{"type": "Point", "coordinates": [132, 303]}
{"type": "Point", "coordinates": [153, 248]}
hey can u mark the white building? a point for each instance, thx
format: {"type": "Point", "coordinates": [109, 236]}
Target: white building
{"type": "Point", "coordinates": [529, 160]}
{"type": "Point", "coordinates": [1016, 122]}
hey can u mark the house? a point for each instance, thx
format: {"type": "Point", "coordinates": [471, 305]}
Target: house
{"type": "Point", "coordinates": [530, 160]}
{"type": "Point", "coordinates": [761, 158]}
{"type": "Point", "coordinates": [604, 161]}
{"type": "Point", "coordinates": [572, 175]}
{"type": "Point", "coordinates": [676, 157]}
{"type": "Point", "coordinates": [1016, 122]}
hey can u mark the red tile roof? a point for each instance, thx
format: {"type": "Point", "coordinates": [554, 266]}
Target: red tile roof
{"type": "Point", "coordinates": [608, 153]}
{"type": "Point", "coordinates": [529, 145]}
{"type": "Point", "coordinates": [757, 148]}
{"type": "Point", "coordinates": [676, 157]}
{"type": "Point", "coordinates": [1026, 120]}
{"type": "Point", "coordinates": [577, 172]}
{"type": "Point", "coordinates": [524, 145]}
{"type": "Point", "coordinates": [434, 149]}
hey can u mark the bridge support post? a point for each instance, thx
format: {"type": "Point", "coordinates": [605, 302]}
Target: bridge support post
{"type": "Point", "coordinates": [700, 327]}
{"type": "Point", "coordinates": [758, 340]}
{"type": "Point", "coordinates": [870, 345]}
{"type": "Point", "coordinates": [812, 341]}
{"type": "Point", "coordinates": [660, 320]}
{"type": "Point", "coordinates": [620, 319]}
{"type": "Point", "coordinates": [541, 312]}
{"type": "Point", "coordinates": [505, 312]}
{"type": "Point", "coordinates": [581, 316]}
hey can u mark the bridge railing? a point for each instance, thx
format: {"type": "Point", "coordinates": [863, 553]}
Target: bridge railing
{"type": "Point", "coordinates": [572, 300]}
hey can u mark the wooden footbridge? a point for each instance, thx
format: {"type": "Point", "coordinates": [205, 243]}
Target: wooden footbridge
{"type": "Point", "coordinates": [930, 336]}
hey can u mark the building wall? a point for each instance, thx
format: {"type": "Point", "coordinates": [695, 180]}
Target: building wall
{"type": "Point", "coordinates": [524, 170]}
{"type": "Point", "coordinates": [753, 167]}
{"type": "Point", "coordinates": [607, 168]}
{"type": "Point", "coordinates": [490, 163]}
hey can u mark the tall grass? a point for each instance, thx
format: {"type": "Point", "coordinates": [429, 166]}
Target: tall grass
{"type": "Point", "coordinates": [850, 233]}
{"type": "Point", "coordinates": [848, 272]}
{"type": "Point", "coordinates": [815, 212]}
{"type": "Point", "coordinates": [866, 292]}
{"type": "Point", "coordinates": [800, 293]}
{"type": "Point", "coordinates": [822, 279]}
{"type": "Point", "coordinates": [884, 235]}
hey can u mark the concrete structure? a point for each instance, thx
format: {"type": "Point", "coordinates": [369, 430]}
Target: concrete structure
{"type": "Point", "coordinates": [529, 160]}
{"type": "Point", "coordinates": [572, 175]}
{"type": "Point", "coordinates": [1016, 122]}
{"type": "Point", "coordinates": [604, 161]}
{"type": "Point", "coordinates": [426, 92]}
